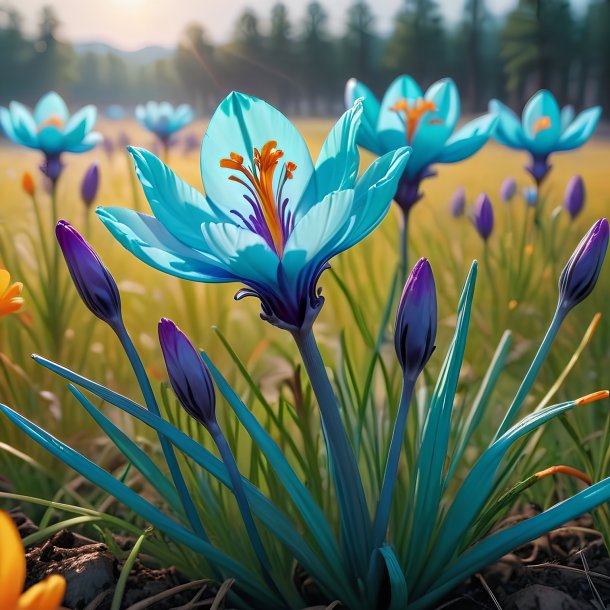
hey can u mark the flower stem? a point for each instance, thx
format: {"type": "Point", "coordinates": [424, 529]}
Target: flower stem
{"type": "Point", "coordinates": [532, 373]}
{"type": "Point", "coordinates": [168, 450]}
{"type": "Point", "coordinates": [355, 521]}
{"type": "Point", "coordinates": [404, 246]}
{"type": "Point", "coordinates": [382, 514]}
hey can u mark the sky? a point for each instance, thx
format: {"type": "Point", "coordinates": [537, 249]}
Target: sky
{"type": "Point", "coordinates": [133, 24]}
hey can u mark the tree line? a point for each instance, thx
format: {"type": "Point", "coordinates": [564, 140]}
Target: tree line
{"type": "Point", "coordinates": [302, 68]}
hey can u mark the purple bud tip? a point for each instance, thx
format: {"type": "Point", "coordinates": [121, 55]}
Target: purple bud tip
{"type": "Point", "coordinates": [92, 280]}
{"type": "Point", "coordinates": [188, 374]}
{"type": "Point", "coordinates": [580, 275]}
{"type": "Point", "coordinates": [508, 190]}
{"type": "Point", "coordinates": [458, 202]}
{"type": "Point", "coordinates": [416, 320]}
{"type": "Point", "coordinates": [483, 216]}
{"type": "Point", "coordinates": [574, 198]}
{"type": "Point", "coordinates": [90, 184]}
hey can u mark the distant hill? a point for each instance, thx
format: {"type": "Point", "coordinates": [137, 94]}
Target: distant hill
{"type": "Point", "coordinates": [141, 57]}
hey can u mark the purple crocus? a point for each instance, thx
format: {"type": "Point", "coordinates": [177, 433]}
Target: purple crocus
{"type": "Point", "coordinates": [416, 320]}
{"type": "Point", "coordinates": [90, 184]}
{"type": "Point", "coordinates": [458, 202]}
{"type": "Point", "coordinates": [93, 281]}
{"type": "Point", "coordinates": [574, 197]}
{"type": "Point", "coordinates": [483, 216]}
{"type": "Point", "coordinates": [508, 190]}
{"type": "Point", "coordinates": [188, 374]}
{"type": "Point", "coordinates": [580, 274]}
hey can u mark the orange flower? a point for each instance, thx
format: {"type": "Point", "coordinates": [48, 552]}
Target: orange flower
{"type": "Point", "coordinates": [27, 183]}
{"type": "Point", "coordinates": [45, 595]}
{"type": "Point", "coordinates": [10, 294]}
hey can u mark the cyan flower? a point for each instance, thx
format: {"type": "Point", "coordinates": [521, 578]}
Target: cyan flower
{"type": "Point", "coordinates": [270, 218]}
{"type": "Point", "coordinates": [51, 129]}
{"type": "Point", "coordinates": [163, 119]}
{"type": "Point", "coordinates": [426, 122]}
{"type": "Point", "coordinates": [543, 129]}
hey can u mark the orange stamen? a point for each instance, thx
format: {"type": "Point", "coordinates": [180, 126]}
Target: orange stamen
{"type": "Point", "coordinates": [414, 113]}
{"type": "Point", "coordinates": [568, 470]}
{"type": "Point", "coordinates": [541, 124]}
{"type": "Point", "coordinates": [53, 120]}
{"type": "Point", "coordinates": [261, 179]}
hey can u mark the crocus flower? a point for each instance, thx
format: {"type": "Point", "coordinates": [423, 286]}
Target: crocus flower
{"type": "Point", "coordinates": [90, 184]}
{"type": "Point", "coordinates": [45, 595]}
{"type": "Point", "coordinates": [426, 122]}
{"type": "Point", "coordinates": [51, 129]}
{"type": "Point", "coordinates": [163, 119]}
{"type": "Point", "coordinates": [10, 294]}
{"type": "Point", "coordinates": [188, 374]}
{"type": "Point", "coordinates": [270, 219]}
{"type": "Point", "coordinates": [580, 274]}
{"type": "Point", "coordinates": [508, 190]}
{"type": "Point", "coordinates": [458, 202]}
{"type": "Point", "coordinates": [543, 129]}
{"type": "Point", "coordinates": [416, 320]}
{"type": "Point", "coordinates": [92, 280]}
{"type": "Point", "coordinates": [483, 216]}
{"type": "Point", "coordinates": [574, 198]}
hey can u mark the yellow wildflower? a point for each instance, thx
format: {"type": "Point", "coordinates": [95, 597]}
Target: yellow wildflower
{"type": "Point", "coordinates": [10, 294]}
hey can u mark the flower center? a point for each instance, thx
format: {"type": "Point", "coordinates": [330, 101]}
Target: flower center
{"type": "Point", "coordinates": [270, 218]}
{"type": "Point", "coordinates": [413, 113]}
{"type": "Point", "coordinates": [53, 120]}
{"type": "Point", "coordinates": [541, 124]}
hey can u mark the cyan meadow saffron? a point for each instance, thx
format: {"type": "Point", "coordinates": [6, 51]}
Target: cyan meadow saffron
{"type": "Point", "coordinates": [162, 119]}
{"type": "Point", "coordinates": [425, 121]}
{"type": "Point", "coordinates": [270, 218]}
{"type": "Point", "coordinates": [51, 129]}
{"type": "Point", "coordinates": [543, 129]}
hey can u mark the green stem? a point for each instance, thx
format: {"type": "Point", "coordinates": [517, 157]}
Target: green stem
{"type": "Point", "coordinates": [166, 446]}
{"type": "Point", "coordinates": [532, 373]}
{"type": "Point", "coordinates": [355, 521]}
{"type": "Point", "coordinates": [404, 246]}
{"type": "Point", "coordinates": [382, 513]}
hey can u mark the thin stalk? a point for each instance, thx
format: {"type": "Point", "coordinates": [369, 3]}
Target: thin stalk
{"type": "Point", "coordinates": [355, 521]}
{"type": "Point", "coordinates": [168, 450]}
{"type": "Point", "coordinates": [382, 514]}
{"type": "Point", "coordinates": [404, 246]}
{"type": "Point", "coordinates": [242, 502]}
{"type": "Point", "coordinates": [495, 300]}
{"type": "Point", "coordinates": [133, 182]}
{"type": "Point", "coordinates": [532, 373]}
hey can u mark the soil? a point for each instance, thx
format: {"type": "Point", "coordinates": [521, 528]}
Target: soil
{"type": "Point", "coordinates": [567, 569]}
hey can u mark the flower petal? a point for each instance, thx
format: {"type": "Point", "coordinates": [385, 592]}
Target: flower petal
{"type": "Point", "coordinates": [508, 131]}
{"type": "Point", "coordinates": [337, 164]}
{"type": "Point", "coordinates": [446, 98]}
{"type": "Point", "coordinates": [240, 124]}
{"type": "Point", "coordinates": [91, 140]}
{"type": "Point", "coordinates": [567, 116]}
{"type": "Point", "coordinates": [145, 237]}
{"type": "Point", "coordinates": [12, 562]}
{"type": "Point", "coordinates": [80, 124]}
{"type": "Point", "coordinates": [45, 595]}
{"type": "Point", "coordinates": [50, 105]}
{"type": "Point", "coordinates": [24, 125]}
{"type": "Point", "coordinates": [581, 129]}
{"type": "Point", "coordinates": [542, 122]}
{"type": "Point", "coordinates": [390, 125]}
{"type": "Point", "coordinates": [177, 205]}
{"type": "Point", "coordinates": [50, 140]}
{"type": "Point", "coordinates": [367, 134]}
{"type": "Point", "coordinates": [242, 253]}
{"type": "Point", "coordinates": [468, 140]}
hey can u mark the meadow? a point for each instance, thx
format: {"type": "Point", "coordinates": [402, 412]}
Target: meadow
{"type": "Point", "coordinates": [516, 290]}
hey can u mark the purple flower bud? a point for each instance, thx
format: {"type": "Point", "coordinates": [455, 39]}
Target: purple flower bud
{"type": "Point", "coordinates": [483, 216]}
{"type": "Point", "coordinates": [580, 275]}
{"type": "Point", "coordinates": [574, 198]}
{"type": "Point", "coordinates": [508, 190]}
{"type": "Point", "coordinates": [416, 320]}
{"type": "Point", "coordinates": [90, 184]}
{"type": "Point", "coordinates": [95, 285]}
{"type": "Point", "coordinates": [458, 202]}
{"type": "Point", "coordinates": [188, 374]}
